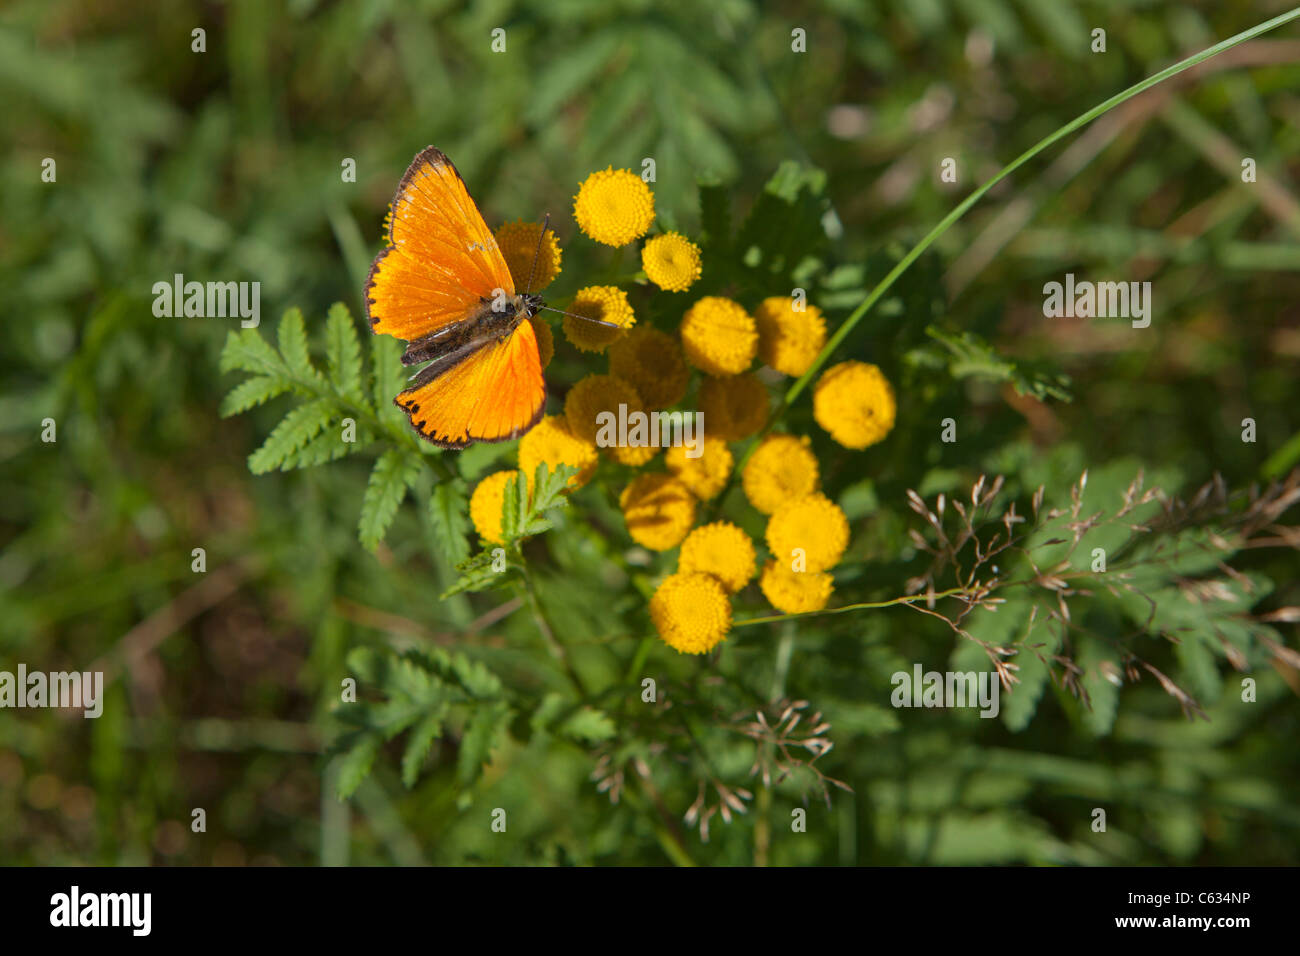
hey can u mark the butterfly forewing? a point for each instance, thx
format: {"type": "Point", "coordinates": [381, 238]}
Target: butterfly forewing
{"type": "Point", "coordinates": [442, 260]}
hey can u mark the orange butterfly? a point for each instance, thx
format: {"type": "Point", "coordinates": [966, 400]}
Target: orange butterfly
{"type": "Point", "coordinates": [443, 286]}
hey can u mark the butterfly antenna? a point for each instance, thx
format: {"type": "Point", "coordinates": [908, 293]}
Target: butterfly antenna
{"type": "Point", "coordinates": [546, 224]}
{"type": "Point", "coordinates": [585, 318]}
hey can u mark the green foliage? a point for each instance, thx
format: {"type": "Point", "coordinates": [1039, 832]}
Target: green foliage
{"type": "Point", "coordinates": [522, 516]}
{"type": "Point", "coordinates": [336, 415]}
{"type": "Point", "coordinates": [965, 354]}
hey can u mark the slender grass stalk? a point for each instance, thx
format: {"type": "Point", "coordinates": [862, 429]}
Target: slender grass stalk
{"type": "Point", "coordinates": [909, 599]}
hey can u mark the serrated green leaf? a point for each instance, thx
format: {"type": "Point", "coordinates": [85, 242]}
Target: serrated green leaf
{"type": "Point", "coordinates": [475, 677]}
{"type": "Point", "coordinates": [343, 353]}
{"type": "Point", "coordinates": [588, 725]}
{"type": "Point", "coordinates": [418, 743]}
{"type": "Point", "coordinates": [327, 446]}
{"type": "Point", "coordinates": [480, 738]}
{"type": "Point", "coordinates": [246, 351]}
{"type": "Point", "coordinates": [477, 574]}
{"type": "Point", "coordinates": [370, 664]}
{"type": "Point", "coordinates": [300, 426]}
{"type": "Point", "coordinates": [388, 376]}
{"type": "Point", "coordinates": [250, 393]}
{"type": "Point", "coordinates": [1103, 695]}
{"type": "Point", "coordinates": [969, 356]}
{"type": "Point", "coordinates": [1199, 668]}
{"type": "Point", "coordinates": [354, 766]}
{"type": "Point", "coordinates": [393, 473]}
{"type": "Point", "coordinates": [510, 510]}
{"type": "Point", "coordinates": [448, 510]}
{"type": "Point", "coordinates": [785, 224]}
{"type": "Point", "coordinates": [292, 336]}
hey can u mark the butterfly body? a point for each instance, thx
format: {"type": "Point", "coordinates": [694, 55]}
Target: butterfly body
{"type": "Point", "coordinates": [443, 286]}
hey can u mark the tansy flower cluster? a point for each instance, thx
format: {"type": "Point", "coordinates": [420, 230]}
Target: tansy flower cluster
{"type": "Point", "coordinates": [706, 365]}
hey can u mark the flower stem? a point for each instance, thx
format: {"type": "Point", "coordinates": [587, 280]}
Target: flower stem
{"type": "Point", "coordinates": [910, 599]}
{"type": "Point", "coordinates": [548, 634]}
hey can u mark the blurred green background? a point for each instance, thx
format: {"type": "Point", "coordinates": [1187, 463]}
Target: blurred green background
{"type": "Point", "coordinates": [225, 165]}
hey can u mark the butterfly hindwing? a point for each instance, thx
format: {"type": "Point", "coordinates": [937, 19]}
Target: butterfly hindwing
{"type": "Point", "coordinates": [442, 261]}
{"type": "Point", "coordinates": [494, 394]}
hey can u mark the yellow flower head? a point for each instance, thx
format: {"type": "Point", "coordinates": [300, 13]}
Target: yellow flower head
{"type": "Point", "coordinates": [595, 395]}
{"type": "Point", "coordinates": [605, 302]}
{"type": "Point", "coordinates": [733, 408]}
{"type": "Point", "coordinates": [812, 528]}
{"type": "Point", "coordinates": [552, 441]}
{"type": "Point", "coordinates": [855, 403]}
{"type": "Point", "coordinates": [518, 242]}
{"type": "Point", "coordinates": [614, 207]}
{"type": "Point", "coordinates": [486, 503]}
{"type": "Point", "coordinates": [691, 612]}
{"type": "Point", "coordinates": [671, 261]}
{"type": "Point", "coordinates": [545, 339]}
{"type": "Point", "coordinates": [793, 592]}
{"type": "Point", "coordinates": [652, 362]}
{"type": "Point", "coordinates": [659, 510]}
{"type": "Point", "coordinates": [781, 469]}
{"type": "Point", "coordinates": [721, 550]}
{"type": "Point", "coordinates": [704, 475]}
{"type": "Point", "coordinates": [719, 336]}
{"type": "Point", "coordinates": [788, 341]}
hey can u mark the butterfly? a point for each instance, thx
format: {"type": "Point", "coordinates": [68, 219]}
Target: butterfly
{"type": "Point", "coordinates": [443, 286]}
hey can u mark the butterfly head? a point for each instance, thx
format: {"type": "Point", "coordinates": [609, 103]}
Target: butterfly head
{"type": "Point", "coordinates": [530, 305]}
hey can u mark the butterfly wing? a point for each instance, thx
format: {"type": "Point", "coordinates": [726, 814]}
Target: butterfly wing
{"type": "Point", "coordinates": [495, 394]}
{"type": "Point", "coordinates": [442, 261]}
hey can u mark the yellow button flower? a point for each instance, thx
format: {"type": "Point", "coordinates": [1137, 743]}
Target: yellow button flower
{"type": "Point", "coordinates": [671, 261]}
{"type": "Point", "coordinates": [855, 403]}
{"type": "Point", "coordinates": [706, 475]}
{"type": "Point", "coordinates": [735, 407]}
{"type": "Point", "coordinates": [659, 510]}
{"type": "Point", "coordinates": [795, 592]}
{"type": "Point", "coordinates": [782, 468]}
{"type": "Point", "coordinates": [606, 303]}
{"type": "Point", "coordinates": [614, 207]}
{"type": "Point", "coordinates": [593, 395]}
{"type": "Point", "coordinates": [652, 361]}
{"type": "Point", "coordinates": [811, 530]}
{"type": "Point", "coordinates": [545, 339]}
{"type": "Point", "coordinates": [691, 612]}
{"type": "Point", "coordinates": [721, 550]}
{"type": "Point", "coordinates": [486, 503]}
{"type": "Point", "coordinates": [788, 341]}
{"type": "Point", "coordinates": [552, 441]}
{"type": "Point", "coordinates": [518, 242]}
{"type": "Point", "coordinates": [719, 336]}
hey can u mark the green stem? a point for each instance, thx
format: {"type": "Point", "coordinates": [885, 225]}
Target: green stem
{"type": "Point", "coordinates": [911, 599]}
{"type": "Point", "coordinates": [962, 208]}
{"type": "Point", "coordinates": [548, 634]}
